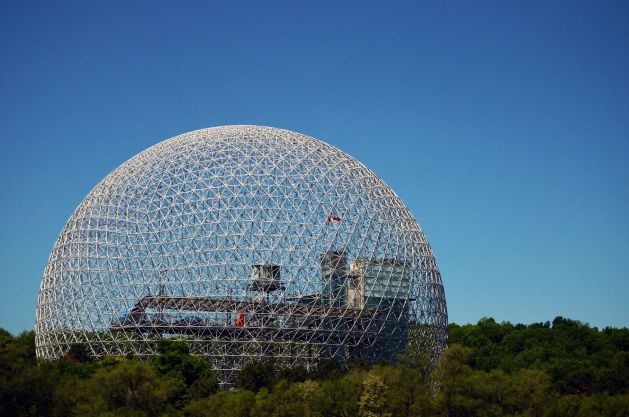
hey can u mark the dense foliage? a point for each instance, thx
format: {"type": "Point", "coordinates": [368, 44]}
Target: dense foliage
{"type": "Point", "coordinates": [563, 368]}
{"type": "Point", "coordinates": [577, 358]}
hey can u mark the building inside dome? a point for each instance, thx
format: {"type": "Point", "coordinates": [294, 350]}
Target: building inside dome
{"type": "Point", "coordinates": [246, 242]}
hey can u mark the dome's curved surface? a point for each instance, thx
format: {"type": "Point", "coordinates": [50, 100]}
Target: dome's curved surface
{"type": "Point", "coordinates": [246, 241]}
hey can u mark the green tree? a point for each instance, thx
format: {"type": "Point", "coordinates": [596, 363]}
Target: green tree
{"type": "Point", "coordinates": [453, 378]}
{"type": "Point", "coordinates": [129, 388]}
{"type": "Point", "coordinates": [341, 395]}
{"type": "Point", "coordinates": [238, 403]}
{"type": "Point", "coordinates": [528, 391]}
{"type": "Point", "coordinates": [373, 398]}
{"type": "Point", "coordinates": [408, 393]}
{"type": "Point", "coordinates": [174, 359]}
{"type": "Point", "coordinates": [255, 375]}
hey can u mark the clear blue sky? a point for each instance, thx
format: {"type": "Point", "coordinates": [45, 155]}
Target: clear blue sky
{"type": "Point", "coordinates": [504, 126]}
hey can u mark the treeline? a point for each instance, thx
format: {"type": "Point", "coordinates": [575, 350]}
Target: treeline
{"type": "Point", "coordinates": [578, 359]}
{"type": "Point", "coordinates": [563, 368]}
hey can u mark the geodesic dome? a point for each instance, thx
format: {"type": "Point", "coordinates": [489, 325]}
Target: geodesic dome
{"type": "Point", "coordinates": [246, 242]}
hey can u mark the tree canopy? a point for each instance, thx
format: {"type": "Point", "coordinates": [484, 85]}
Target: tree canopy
{"type": "Point", "coordinates": [558, 368]}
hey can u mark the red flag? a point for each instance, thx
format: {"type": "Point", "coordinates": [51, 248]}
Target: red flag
{"type": "Point", "coordinates": [332, 218]}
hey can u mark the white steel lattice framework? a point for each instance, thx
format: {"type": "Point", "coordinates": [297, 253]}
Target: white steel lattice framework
{"type": "Point", "coordinates": [245, 241]}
